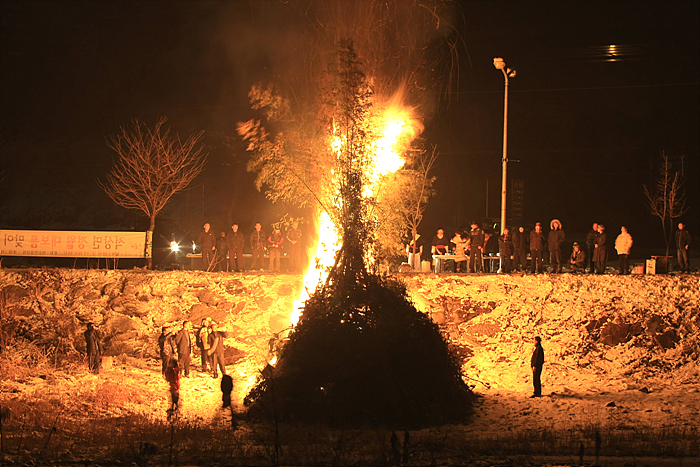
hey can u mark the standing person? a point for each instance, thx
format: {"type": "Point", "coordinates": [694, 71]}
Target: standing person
{"type": "Point", "coordinates": [683, 239]}
{"type": "Point", "coordinates": [166, 348]}
{"type": "Point", "coordinates": [439, 247]}
{"type": "Point", "coordinates": [519, 251]}
{"type": "Point", "coordinates": [207, 243]}
{"type": "Point", "coordinates": [476, 247]}
{"type": "Point", "coordinates": [236, 242]}
{"type": "Point", "coordinates": [257, 243]}
{"type": "Point", "coordinates": [536, 362]}
{"type": "Point", "coordinates": [505, 250]}
{"type": "Point", "coordinates": [536, 247]}
{"type": "Point", "coordinates": [623, 244]}
{"type": "Point", "coordinates": [183, 342]}
{"type": "Point", "coordinates": [555, 241]}
{"type": "Point", "coordinates": [93, 348]}
{"type": "Point", "coordinates": [414, 250]}
{"type": "Point", "coordinates": [202, 341]}
{"type": "Point", "coordinates": [600, 255]}
{"type": "Point", "coordinates": [578, 259]}
{"type": "Point", "coordinates": [221, 251]}
{"type": "Point", "coordinates": [590, 243]}
{"type": "Point", "coordinates": [460, 244]}
{"type": "Point", "coordinates": [216, 350]}
{"type": "Point", "coordinates": [294, 250]}
{"type": "Point", "coordinates": [275, 243]}
{"type": "Point", "coordinates": [172, 376]}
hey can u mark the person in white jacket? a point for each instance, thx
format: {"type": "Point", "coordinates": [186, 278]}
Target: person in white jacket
{"type": "Point", "coordinates": [623, 244]}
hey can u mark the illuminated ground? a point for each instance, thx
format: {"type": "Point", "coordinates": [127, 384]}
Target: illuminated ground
{"type": "Point", "coordinates": [621, 352]}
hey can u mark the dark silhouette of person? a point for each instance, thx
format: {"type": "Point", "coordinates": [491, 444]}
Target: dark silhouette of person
{"type": "Point", "coordinates": [476, 247]}
{"type": "Point", "coordinates": [183, 341]}
{"type": "Point", "coordinates": [536, 363]}
{"type": "Point", "coordinates": [236, 242]}
{"type": "Point", "coordinates": [226, 389]}
{"type": "Point", "coordinates": [216, 350]}
{"type": "Point", "coordinates": [683, 239]}
{"type": "Point", "coordinates": [207, 242]}
{"type": "Point", "coordinates": [536, 247]}
{"type": "Point", "coordinates": [202, 342]}
{"type": "Point", "coordinates": [93, 348]}
{"type": "Point", "coordinates": [294, 242]}
{"type": "Point", "coordinates": [257, 244]}
{"type": "Point", "coordinates": [166, 348]}
{"type": "Point", "coordinates": [600, 254]}
{"type": "Point", "coordinates": [221, 251]}
{"type": "Point", "coordinates": [172, 376]}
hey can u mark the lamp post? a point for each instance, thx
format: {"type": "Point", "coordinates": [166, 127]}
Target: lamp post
{"type": "Point", "coordinates": [500, 64]}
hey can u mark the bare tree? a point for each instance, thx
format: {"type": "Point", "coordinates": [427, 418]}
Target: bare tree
{"type": "Point", "coordinates": [152, 166]}
{"type": "Point", "coordinates": [666, 199]}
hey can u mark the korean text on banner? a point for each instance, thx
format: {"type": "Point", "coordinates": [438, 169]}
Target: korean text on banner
{"type": "Point", "coordinates": [71, 244]}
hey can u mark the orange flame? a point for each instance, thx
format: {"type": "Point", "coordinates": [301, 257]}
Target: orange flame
{"type": "Point", "coordinates": [397, 126]}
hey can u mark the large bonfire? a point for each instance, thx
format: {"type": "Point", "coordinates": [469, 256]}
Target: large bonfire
{"type": "Point", "coordinates": [360, 353]}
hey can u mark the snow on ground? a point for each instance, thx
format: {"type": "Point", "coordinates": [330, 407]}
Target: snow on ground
{"type": "Point", "coordinates": [621, 351]}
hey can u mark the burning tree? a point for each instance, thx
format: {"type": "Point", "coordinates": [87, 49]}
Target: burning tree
{"type": "Point", "coordinates": [361, 354]}
{"type": "Point", "coordinates": [666, 200]}
{"type": "Point", "coordinates": [151, 167]}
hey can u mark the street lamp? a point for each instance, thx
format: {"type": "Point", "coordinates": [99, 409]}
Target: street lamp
{"type": "Point", "coordinates": [500, 64]}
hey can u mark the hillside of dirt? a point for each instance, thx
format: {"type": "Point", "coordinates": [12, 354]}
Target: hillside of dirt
{"type": "Point", "coordinates": [621, 351]}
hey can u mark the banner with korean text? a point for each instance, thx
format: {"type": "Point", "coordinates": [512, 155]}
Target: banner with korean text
{"type": "Point", "coordinates": [71, 244]}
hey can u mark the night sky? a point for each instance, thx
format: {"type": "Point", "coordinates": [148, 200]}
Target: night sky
{"type": "Point", "coordinates": [602, 88]}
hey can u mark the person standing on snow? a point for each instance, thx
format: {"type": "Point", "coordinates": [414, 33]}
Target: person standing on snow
{"type": "Point", "coordinates": [682, 246]}
{"type": "Point", "coordinates": [166, 348]}
{"type": "Point", "coordinates": [93, 348]}
{"type": "Point", "coordinates": [172, 376]}
{"type": "Point", "coordinates": [590, 243]}
{"type": "Point", "coordinates": [536, 247]}
{"type": "Point", "coordinates": [183, 341]}
{"type": "Point", "coordinates": [555, 241]}
{"type": "Point", "coordinates": [536, 362]}
{"type": "Point", "coordinates": [623, 244]}
{"type": "Point", "coordinates": [600, 255]}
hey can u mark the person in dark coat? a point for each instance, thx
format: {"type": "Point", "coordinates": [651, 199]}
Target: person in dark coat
{"type": "Point", "coordinates": [683, 239]}
{"type": "Point", "coordinates": [600, 255]}
{"type": "Point", "coordinates": [216, 350]}
{"type": "Point", "coordinates": [226, 389]}
{"type": "Point", "coordinates": [207, 243]}
{"type": "Point", "coordinates": [165, 345]}
{"type": "Point", "coordinates": [505, 250]}
{"type": "Point", "coordinates": [590, 243]}
{"type": "Point", "coordinates": [536, 247]}
{"type": "Point", "coordinates": [183, 342]}
{"type": "Point", "coordinates": [236, 242]}
{"type": "Point", "coordinates": [536, 362]}
{"type": "Point", "coordinates": [202, 342]}
{"type": "Point", "coordinates": [172, 376]}
{"type": "Point", "coordinates": [275, 244]}
{"type": "Point", "coordinates": [476, 248]}
{"type": "Point", "coordinates": [578, 259]}
{"type": "Point", "coordinates": [221, 251]}
{"type": "Point", "coordinates": [519, 251]}
{"type": "Point", "coordinates": [93, 348]}
{"type": "Point", "coordinates": [258, 240]}
{"type": "Point", "coordinates": [555, 241]}
{"type": "Point", "coordinates": [294, 248]}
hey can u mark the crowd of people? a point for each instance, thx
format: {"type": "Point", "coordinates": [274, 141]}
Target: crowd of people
{"type": "Point", "coordinates": [225, 251]}
{"type": "Point", "coordinates": [466, 251]}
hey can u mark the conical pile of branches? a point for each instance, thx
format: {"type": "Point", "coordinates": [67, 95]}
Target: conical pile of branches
{"type": "Point", "coordinates": [364, 356]}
